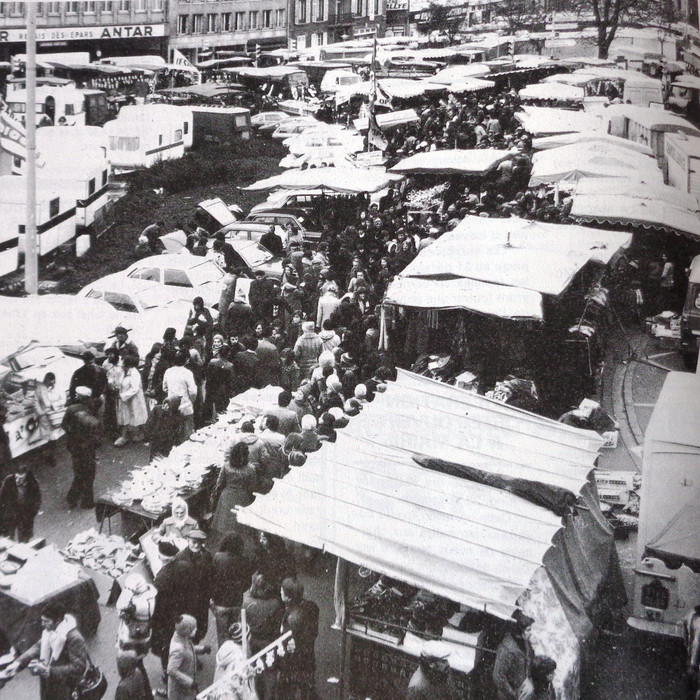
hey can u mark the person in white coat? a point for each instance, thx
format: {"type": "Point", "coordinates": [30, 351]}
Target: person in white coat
{"type": "Point", "coordinates": [132, 412]}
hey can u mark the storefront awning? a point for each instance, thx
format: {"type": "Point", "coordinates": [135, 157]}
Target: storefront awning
{"type": "Point", "coordinates": [367, 500]}
{"type": "Point", "coordinates": [453, 162]}
{"type": "Point", "coordinates": [470, 295]}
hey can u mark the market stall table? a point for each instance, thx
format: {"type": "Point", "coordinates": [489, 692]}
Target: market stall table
{"type": "Point", "coordinates": [45, 577]}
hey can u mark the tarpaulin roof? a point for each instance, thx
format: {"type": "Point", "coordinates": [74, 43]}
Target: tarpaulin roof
{"type": "Point", "coordinates": [575, 79]}
{"type": "Point", "coordinates": [469, 85]}
{"type": "Point", "coordinates": [631, 77]}
{"type": "Point", "coordinates": [474, 161]}
{"type": "Point", "coordinates": [455, 74]}
{"type": "Point", "coordinates": [329, 179]}
{"type": "Point", "coordinates": [406, 88]}
{"type": "Point", "coordinates": [271, 72]}
{"type": "Point", "coordinates": [545, 121]}
{"type": "Point", "coordinates": [678, 543]}
{"type": "Point", "coordinates": [627, 208]}
{"type": "Point", "coordinates": [366, 500]}
{"type": "Point", "coordinates": [690, 82]}
{"type": "Point", "coordinates": [471, 295]}
{"type": "Point", "coordinates": [652, 118]}
{"type": "Point", "coordinates": [516, 253]}
{"type": "Point", "coordinates": [546, 142]}
{"type": "Point", "coordinates": [571, 163]}
{"type": "Point", "coordinates": [639, 189]}
{"type": "Point", "coordinates": [552, 91]}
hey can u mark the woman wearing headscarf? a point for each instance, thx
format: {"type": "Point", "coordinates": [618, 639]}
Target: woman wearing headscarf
{"type": "Point", "coordinates": [229, 657]}
{"type": "Point", "coordinates": [115, 372]}
{"type": "Point", "coordinates": [47, 400]}
{"type": "Point", "coordinates": [178, 525]}
{"type": "Point", "coordinates": [135, 607]}
{"type": "Point", "coordinates": [132, 413]}
{"type": "Point", "coordinates": [234, 487]}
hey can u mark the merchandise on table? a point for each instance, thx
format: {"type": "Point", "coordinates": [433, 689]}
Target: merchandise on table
{"type": "Point", "coordinates": [110, 555]}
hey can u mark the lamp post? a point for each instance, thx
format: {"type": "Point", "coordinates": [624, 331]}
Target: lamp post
{"type": "Point", "coordinates": [31, 256]}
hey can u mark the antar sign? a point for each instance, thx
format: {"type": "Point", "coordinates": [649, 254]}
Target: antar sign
{"type": "Point", "coordinates": [117, 31]}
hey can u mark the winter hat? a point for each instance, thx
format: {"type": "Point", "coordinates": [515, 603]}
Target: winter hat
{"type": "Point", "coordinates": [308, 422]}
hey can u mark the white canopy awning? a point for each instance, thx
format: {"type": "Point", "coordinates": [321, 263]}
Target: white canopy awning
{"type": "Point", "coordinates": [546, 121]}
{"type": "Point", "coordinates": [593, 159]}
{"type": "Point", "coordinates": [406, 88]}
{"type": "Point", "coordinates": [546, 142]}
{"type": "Point", "coordinates": [471, 295]}
{"type": "Point", "coordinates": [552, 91]}
{"type": "Point", "coordinates": [328, 178]}
{"type": "Point", "coordinates": [366, 500]}
{"type": "Point", "coordinates": [516, 253]}
{"type": "Point", "coordinates": [473, 162]}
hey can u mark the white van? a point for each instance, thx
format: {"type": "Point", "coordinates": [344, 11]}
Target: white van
{"type": "Point", "coordinates": [55, 105]}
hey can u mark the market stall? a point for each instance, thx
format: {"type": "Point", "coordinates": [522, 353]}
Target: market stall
{"type": "Point", "coordinates": [594, 137]}
{"type": "Point", "coordinates": [452, 162]}
{"type": "Point", "coordinates": [554, 92]}
{"type": "Point", "coordinates": [484, 508]}
{"type": "Point", "coordinates": [328, 179]}
{"type": "Point", "coordinates": [32, 575]}
{"type": "Point", "coordinates": [547, 121]}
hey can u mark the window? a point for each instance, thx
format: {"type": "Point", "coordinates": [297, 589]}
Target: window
{"type": "Point", "coordinates": [253, 20]}
{"type": "Point", "coordinates": [124, 5]}
{"type": "Point", "coordinates": [211, 24]}
{"type": "Point", "coordinates": [89, 7]}
{"type": "Point", "coordinates": [70, 109]}
{"type": "Point", "coordinates": [239, 22]}
{"type": "Point", "coordinates": [107, 6]}
{"type": "Point", "coordinates": [140, 5]}
{"type": "Point", "coordinates": [301, 12]}
{"type": "Point", "coordinates": [160, 139]}
{"type": "Point", "coordinates": [176, 278]}
{"type": "Point", "coordinates": [241, 122]}
{"type": "Point", "coordinates": [281, 18]}
{"type": "Point", "coordinates": [320, 10]}
{"type": "Point", "coordinates": [157, 5]}
{"type": "Point", "coordinates": [358, 8]}
{"type": "Point", "coordinates": [104, 178]}
{"type": "Point", "coordinates": [376, 7]}
{"type": "Point", "coordinates": [182, 24]}
{"type": "Point", "coordinates": [91, 186]}
{"type": "Point", "coordinates": [197, 24]}
{"type": "Point", "coordinates": [54, 8]}
{"type": "Point", "coordinates": [94, 294]}
{"type": "Point", "coordinates": [185, 127]}
{"type": "Point", "coordinates": [121, 302]}
{"type": "Point", "coordinates": [123, 143]}
{"type": "Point", "coordinates": [226, 22]}
{"type": "Point", "coordinates": [72, 8]}
{"type": "Point", "coordinates": [152, 274]}
{"type": "Point", "coordinates": [267, 19]}
{"type": "Point", "coordinates": [178, 135]}
{"type": "Point", "coordinates": [54, 207]}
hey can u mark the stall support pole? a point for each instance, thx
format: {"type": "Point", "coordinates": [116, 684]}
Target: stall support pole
{"type": "Point", "coordinates": [31, 257]}
{"type": "Point", "coordinates": [244, 632]}
{"type": "Point", "coordinates": [342, 572]}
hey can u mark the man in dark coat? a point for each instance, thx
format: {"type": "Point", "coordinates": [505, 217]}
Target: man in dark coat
{"type": "Point", "coordinates": [90, 375]}
{"type": "Point", "coordinates": [132, 685]}
{"type": "Point", "coordinates": [269, 359]}
{"type": "Point", "coordinates": [261, 296]}
{"type": "Point", "coordinates": [239, 318]}
{"type": "Point", "coordinates": [61, 655]}
{"type": "Point", "coordinates": [81, 426]}
{"type": "Point", "coordinates": [197, 580]}
{"type": "Point", "coordinates": [164, 426]}
{"type": "Point", "coordinates": [122, 344]}
{"type": "Point", "coordinates": [296, 675]}
{"type": "Point", "coordinates": [170, 601]}
{"type": "Point", "coordinates": [272, 242]}
{"type": "Point", "coordinates": [224, 253]}
{"type": "Point", "coordinates": [220, 383]}
{"type": "Point", "coordinates": [20, 499]}
{"type": "Point", "coordinates": [246, 366]}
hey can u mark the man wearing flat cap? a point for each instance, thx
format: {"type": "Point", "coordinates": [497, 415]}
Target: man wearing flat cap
{"type": "Point", "coordinates": [90, 375]}
{"type": "Point", "coordinates": [122, 344]}
{"type": "Point", "coordinates": [432, 680]}
{"type": "Point", "coordinates": [82, 428]}
{"type": "Point", "coordinates": [197, 580]}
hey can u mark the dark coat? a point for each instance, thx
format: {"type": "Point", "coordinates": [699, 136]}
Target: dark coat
{"type": "Point", "coordinates": [269, 367]}
{"type": "Point", "coordinates": [261, 297]}
{"type": "Point", "coordinates": [232, 576]}
{"type": "Point", "coordinates": [273, 243]}
{"type": "Point", "coordinates": [170, 604]}
{"type": "Point", "coordinates": [239, 319]}
{"type": "Point", "coordinates": [65, 671]}
{"type": "Point", "coordinates": [246, 366]}
{"type": "Point", "coordinates": [92, 376]}
{"type": "Point", "coordinates": [196, 583]}
{"type": "Point", "coordinates": [81, 428]}
{"type": "Point", "coordinates": [163, 430]}
{"type": "Point", "coordinates": [133, 687]}
{"type": "Point", "coordinates": [14, 513]}
{"type": "Point", "coordinates": [220, 377]}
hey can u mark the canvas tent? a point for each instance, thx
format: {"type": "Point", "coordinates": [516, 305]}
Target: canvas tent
{"type": "Point", "coordinates": [595, 137]}
{"type": "Point", "coordinates": [547, 121]}
{"type": "Point", "coordinates": [452, 162]}
{"type": "Point", "coordinates": [374, 505]}
{"type": "Point", "coordinates": [329, 179]}
{"type": "Point", "coordinates": [552, 91]}
{"type": "Point", "coordinates": [516, 253]}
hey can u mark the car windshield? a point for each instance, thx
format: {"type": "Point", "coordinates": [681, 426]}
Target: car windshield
{"type": "Point", "coordinates": [154, 297]}
{"type": "Point", "coordinates": [254, 254]}
{"type": "Point", "coordinates": [206, 272]}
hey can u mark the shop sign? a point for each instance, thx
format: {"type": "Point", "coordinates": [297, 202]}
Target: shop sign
{"type": "Point", "coordinates": [23, 434]}
{"type": "Point", "coordinates": [397, 4]}
{"type": "Point", "coordinates": [116, 31]}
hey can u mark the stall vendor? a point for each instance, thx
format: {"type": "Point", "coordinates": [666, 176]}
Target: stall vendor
{"type": "Point", "coordinates": [176, 528]}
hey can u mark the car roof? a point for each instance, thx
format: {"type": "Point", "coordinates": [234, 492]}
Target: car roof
{"type": "Point", "coordinates": [246, 226]}
{"type": "Point", "coordinates": [118, 282]}
{"type": "Point", "coordinates": [182, 261]}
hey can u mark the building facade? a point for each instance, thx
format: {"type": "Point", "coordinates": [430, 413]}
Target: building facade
{"type": "Point", "coordinates": [397, 17]}
{"type": "Point", "coordinates": [198, 27]}
{"type": "Point", "coordinates": [318, 22]}
{"type": "Point", "coordinates": [101, 27]}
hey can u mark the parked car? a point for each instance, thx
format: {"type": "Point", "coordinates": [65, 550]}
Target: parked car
{"type": "Point", "coordinates": [309, 200]}
{"type": "Point", "coordinates": [148, 308]}
{"type": "Point", "coordinates": [184, 275]}
{"type": "Point", "coordinates": [254, 257]}
{"type": "Point", "coordinates": [291, 127]}
{"type": "Point", "coordinates": [267, 120]}
{"type": "Point", "coordinates": [299, 218]}
{"type": "Point", "coordinates": [252, 230]}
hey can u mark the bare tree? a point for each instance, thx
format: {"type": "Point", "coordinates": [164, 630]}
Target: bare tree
{"type": "Point", "coordinates": [445, 20]}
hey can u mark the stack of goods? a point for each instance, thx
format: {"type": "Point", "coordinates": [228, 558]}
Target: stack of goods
{"type": "Point", "coordinates": [110, 555]}
{"type": "Point", "coordinates": [667, 324]}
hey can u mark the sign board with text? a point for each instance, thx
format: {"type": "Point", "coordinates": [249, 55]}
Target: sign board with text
{"type": "Point", "coordinates": [116, 31]}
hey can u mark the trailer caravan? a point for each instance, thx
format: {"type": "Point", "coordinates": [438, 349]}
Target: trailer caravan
{"type": "Point", "coordinates": [667, 575]}
{"type": "Point", "coordinates": [683, 162]}
{"type": "Point", "coordinates": [55, 213]}
{"type": "Point", "coordinates": [144, 135]}
{"type": "Point", "coordinates": [60, 105]}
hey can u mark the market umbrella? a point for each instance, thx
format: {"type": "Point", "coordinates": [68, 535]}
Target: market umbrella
{"type": "Point", "coordinates": [469, 162]}
{"type": "Point", "coordinates": [338, 180]}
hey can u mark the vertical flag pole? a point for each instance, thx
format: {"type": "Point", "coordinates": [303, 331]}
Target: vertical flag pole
{"type": "Point", "coordinates": [31, 257]}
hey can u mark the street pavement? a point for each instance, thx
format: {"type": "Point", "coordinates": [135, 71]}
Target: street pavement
{"type": "Point", "coordinates": [623, 665]}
